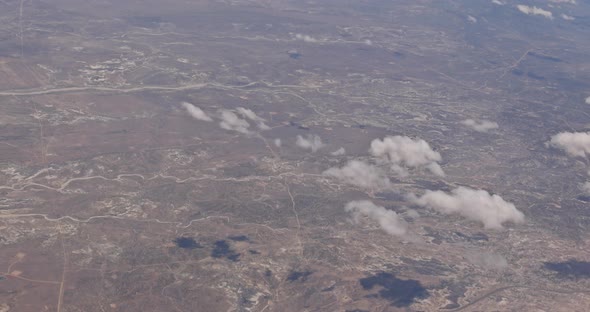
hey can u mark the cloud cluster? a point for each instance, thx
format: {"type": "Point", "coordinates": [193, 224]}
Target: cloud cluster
{"type": "Point", "coordinates": [249, 114]}
{"type": "Point", "coordinates": [477, 205]}
{"type": "Point", "coordinates": [389, 221]}
{"type": "Point", "coordinates": [360, 174]}
{"type": "Point", "coordinates": [576, 144]}
{"type": "Point", "coordinates": [481, 125]}
{"type": "Point", "coordinates": [528, 10]}
{"type": "Point", "coordinates": [311, 142]}
{"type": "Point", "coordinates": [404, 151]}
{"type": "Point", "coordinates": [196, 112]}
{"type": "Point", "coordinates": [231, 121]}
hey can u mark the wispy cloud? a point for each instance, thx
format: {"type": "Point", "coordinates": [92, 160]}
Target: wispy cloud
{"type": "Point", "coordinates": [480, 125]}
{"type": "Point", "coordinates": [477, 205]}
{"type": "Point", "coordinates": [576, 144]}
{"type": "Point", "coordinates": [567, 17]}
{"type": "Point", "coordinates": [230, 121]}
{"type": "Point", "coordinates": [311, 142]}
{"type": "Point", "coordinates": [339, 152]}
{"type": "Point", "coordinates": [249, 114]}
{"type": "Point", "coordinates": [412, 214]}
{"type": "Point", "coordinates": [563, 1]}
{"type": "Point", "coordinates": [306, 38]}
{"type": "Point", "coordinates": [196, 112]}
{"type": "Point", "coordinates": [498, 2]}
{"type": "Point", "coordinates": [528, 10]}
{"type": "Point", "coordinates": [361, 174]}
{"type": "Point", "coordinates": [488, 260]}
{"type": "Point", "coordinates": [388, 220]}
{"type": "Point", "coordinates": [404, 151]}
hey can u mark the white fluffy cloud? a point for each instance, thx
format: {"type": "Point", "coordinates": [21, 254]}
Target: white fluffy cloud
{"type": "Point", "coordinates": [230, 121]}
{"type": "Point", "coordinates": [477, 205]}
{"type": "Point", "coordinates": [389, 221]}
{"type": "Point", "coordinates": [339, 152]}
{"type": "Point", "coordinates": [311, 142]}
{"type": "Point", "coordinates": [481, 125]}
{"type": "Point", "coordinates": [498, 2]}
{"type": "Point", "coordinates": [249, 114]}
{"type": "Point", "coordinates": [576, 144]}
{"type": "Point", "coordinates": [588, 100]}
{"type": "Point", "coordinates": [278, 142]}
{"type": "Point", "coordinates": [528, 10]}
{"type": "Point", "coordinates": [360, 174]}
{"type": "Point", "coordinates": [196, 112]}
{"type": "Point", "coordinates": [471, 19]}
{"type": "Point", "coordinates": [404, 151]}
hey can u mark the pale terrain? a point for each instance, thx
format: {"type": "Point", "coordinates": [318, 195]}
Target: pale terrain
{"type": "Point", "coordinates": [113, 198]}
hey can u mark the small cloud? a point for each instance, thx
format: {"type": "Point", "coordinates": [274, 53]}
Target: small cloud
{"type": "Point", "coordinates": [278, 142]}
{"type": "Point", "coordinates": [569, 18]}
{"type": "Point", "coordinates": [481, 125]}
{"type": "Point", "coordinates": [360, 174]}
{"type": "Point", "coordinates": [587, 100]}
{"type": "Point", "coordinates": [306, 38]}
{"type": "Point", "coordinates": [576, 144]}
{"type": "Point", "coordinates": [528, 10]}
{"type": "Point", "coordinates": [404, 151]}
{"type": "Point", "coordinates": [311, 142]}
{"type": "Point", "coordinates": [477, 205]}
{"type": "Point", "coordinates": [563, 1]}
{"type": "Point", "coordinates": [471, 19]}
{"type": "Point", "coordinates": [488, 260]}
{"type": "Point", "coordinates": [196, 112]}
{"type": "Point", "coordinates": [389, 221]}
{"type": "Point", "coordinates": [498, 2]}
{"type": "Point", "coordinates": [249, 114]}
{"type": "Point", "coordinates": [368, 42]}
{"type": "Point", "coordinates": [339, 152]}
{"type": "Point", "coordinates": [586, 188]}
{"type": "Point", "coordinates": [230, 121]}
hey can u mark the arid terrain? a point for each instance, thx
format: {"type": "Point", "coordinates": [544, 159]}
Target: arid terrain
{"type": "Point", "coordinates": [329, 155]}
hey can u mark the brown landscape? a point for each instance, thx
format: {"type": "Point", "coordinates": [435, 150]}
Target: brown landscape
{"type": "Point", "coordinates": [294, 155]}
